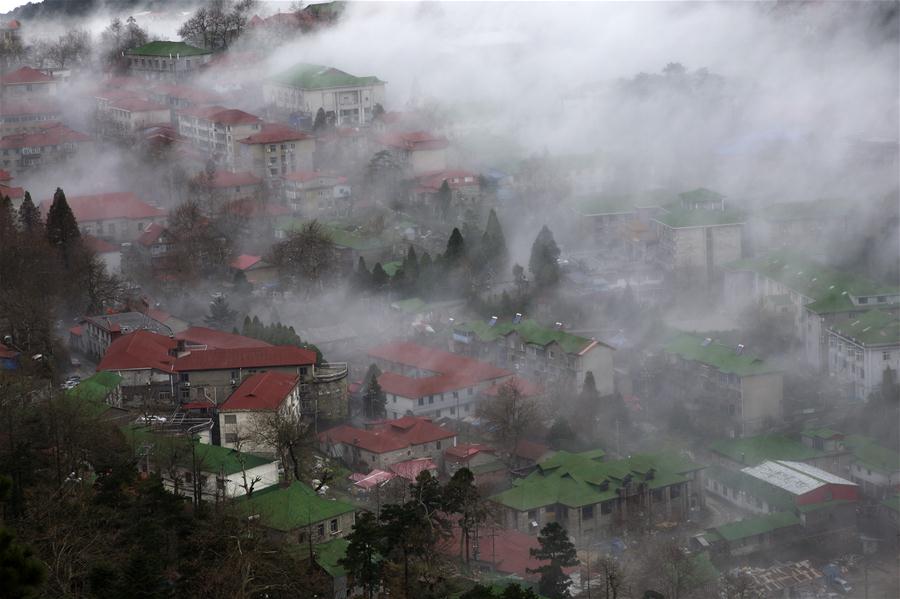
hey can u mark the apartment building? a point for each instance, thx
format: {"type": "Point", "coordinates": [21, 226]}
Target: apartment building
{"type": "Point", "coordinates": [465, 192]}
{"type": "Point", "coordinates": [809, 226]}
{"type": "Point", "coordinates": [102, 330]}
{"type": "Point", "coordinates": [46, 145]}
{"type": "Point", "coordinates": [305, 88]}
{"type": "Point", "coordinates": [314, 194]}
{"type": "Point", "coordinates": [861, 350]}
{"type": "Point", "coordinates": [216, 131]}
{"type": "Point", "coordinates": [425, 381]}
{"type": "Point", "coordinates": [26, 83]}
{"type": "Point", "coordinates": [588, 496]}
{"type": "Point", "coordinates": [166, 61]}
{"type": "Point", "coordinates": [548, 354]}
{"type": "Point", "coordinates": [116, 217]}
{"type": "Point", "coordinates": [723, 387]}
{"type": "Point", "coordinates": [277, 151]}
{"type": "Point", "coordinates": [123, 116]}
{"type": "Point", "coordinates": [697, 236]}
{"type": "Point", "coordinates": [16, 194]}
{"type": "Point", "coordinates": [258, 397]}
{"type": "Point", "coordinates": [418, 152]}
{"type": "Point", "coordinates": [25, 116]}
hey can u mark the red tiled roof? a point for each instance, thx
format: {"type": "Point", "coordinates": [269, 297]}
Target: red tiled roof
{"type": "Point", "coordinates": [106, 206]}
{"type": "Point", "coordinates": [220, 114]}
{"type": "Point", "coordinates": [410, 469]}
{"type": "Point", "coordinates": [530, 450]}
{"type": "Point", "coordinates": [223, 179]}
{"type": "Point", "coordinates": [77, 330]}
{"type": "Point", "coordinates": [414, 140]}
{"type": "Point", "coordinates": [214, 339]}
{"type": "Point", "coordinates": [23, 108]}
{"type": "Point", "coordinates": [14, 193]}
{"type": "Point", "coordinates": [53, 134]}
{"type": "Point", "coordinates": [151, 234]}
{"type": "Point", "coordinates": [389, 435]}
{"type": "Point", "coordinates": [525, 387]}
{"type": "Point", "coordinates": [453, 371]}
{"type": "Point", "coordinates": [372, 479]}
{"type": "Point", "coordinates": [245, 261]}
{"type": "Point", "coordinates": [138, 351]}
{"type": "Point", "coordinates": [245, 357]}
{"type": "Point", "coordinates": [431, 182]}
{"type": "Point", "coordinates": [264, 391]}
{"type": "Point", "coordinates": [137, 105]}
{"type": "Point", "coordinates": [275, 133]}
{"type": "Point", "coordinates": [5, 176]}
{"type": "Point", "coordinates": [250, 208]}
{"type": "Point", "coordinates": [11, 24]}
{"type": "Point", "coordinates": [462, 452]}
{"type": "Point", "coordinates": [98, 245]}
{"type": "Point", "coordinates": [509, 550]}
{"type": "Point", "coordinates": [24, 75]}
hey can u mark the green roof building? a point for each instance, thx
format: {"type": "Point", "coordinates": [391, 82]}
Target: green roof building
{"type": "Point", "coordinates": [99, 395]}
{"type": "Point", "coordinates": [306, 88]}
{"type": "Point", "coordinates": [586, 494]}
{"type": "Point", "coordinates": [296, 512]}
{"type": "Point", "coordinates": [751, 451]}
{"type": "Point", "coordinates": [537, 351]}
{"type": "Point", "coordinates": [861, 349]}
{"type": "Point", "coordinates": [875, 468]}
{"type": "Point", "coordinates": [166, 61]}
{"type": "Point", "coordinates": [726, 387]}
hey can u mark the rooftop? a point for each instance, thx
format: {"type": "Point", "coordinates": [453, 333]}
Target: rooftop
{"type": "Point", "coordinates": [796, 478]}
{"type": "Point", "coordinates": [677, 217]}
{"type": "Point", "coordinates": [777, 498]}
{"type": "Point", "coordinates": [722, 357]}
{"type": "Point", "coordinates": [328, 555]}
{"type": "Point", "coordinates": [168, 49]}
{"type": "Point", "coordinates": [755, 450]}
{"type": "Point", "coordinates": [263, 391]}
{"type": "Point", "coordinates": [414, 140]}
{"type": "Point", "coordinates": [94, 390]}
{"type": "Point", "coordinates": [215, 339]}
{"type": "Point", "coordinates": [245, 261]}
{"type": "Point", "coordinates": [871, 328]}
{"type": "Point", "coordinates": [212, 458]}
{"type": "Point", "coordinates": [275, 133]}
{"type": "Point", "coordinates": [126, 322]}
{"type": "Point", "coordinates": [24, 75]}
{"type": "Point", "coordinates": [311, 76]}
{"type": "Point", "coordinates": [530, 331]}
{"type": "Point", "coordinates": [108, 206]}
{"type": "Point", "coordinates": [139, 351]}
{"type": "Point", "coordinates": [292, 507]}
{"type": "Point", "coordinates": [758, 525]}
{"type": "Point", "coordinates": [870, 454]}
{"type": "Point", "coordinates": [53, 134]}
{"type": "Point", "coordinates": [389, 435]}
{"type": "Point", "coordinates": [244, 357]}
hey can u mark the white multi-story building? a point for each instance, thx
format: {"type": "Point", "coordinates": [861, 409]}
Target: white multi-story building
{"type": "Point", "coordinates": [260, 396]}
{"type": "Point", "coordinates": [166, 61]}
{"type": "Point", "coordinates": [860, 350]}
{"type": "Point", "coordinates": [216, 131]}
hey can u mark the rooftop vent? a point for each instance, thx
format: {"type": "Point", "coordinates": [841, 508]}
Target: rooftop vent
{"type": "Point", "coordinates": [739, 349]}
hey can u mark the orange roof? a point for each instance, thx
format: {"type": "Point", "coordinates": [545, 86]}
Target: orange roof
{"type": "Point", "coordinates": [98, 245]}
{"type": "Point", "coordinates": [32, 107]}
{"type": "Point", "coordinates": [220, 114]}
{"type": "Point", "coordinates": [53, 134]}
{"type": "Point", "coordinates": [214, 339]}
{"type": "Point", "coordinates": [245, 357]}
{"type": "Point", "coordinates": [106, 206]}
{"type": "Point", "coordinates": [455, 178]}
{"type": "Point", "coordinates": [389, 435]}
{"type": "Point", "coordinates": [132, 104]}
{"type": "Point", "coordinates": [275, 133]}
{"type": "Point", "coordinates": [264, 391]}
{"type": "Point", "coordinates": [139, 350]}
{"type": "Point", "coordinates": [245, 261]}
{"type": "Point", "coordinates": [465, 451]}
{"type": "Point", "coordinates": [151, 234]}
{"type": "Point", "coordinates": [25, 75]}
{"type": "Point", "coordinates": [414, 140]}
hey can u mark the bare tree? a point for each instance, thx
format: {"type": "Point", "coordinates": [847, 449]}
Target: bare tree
{"type": "Point", "coordinates": [290, 435]}
{"type": "Point", "coordinates": [217, 24]}
{"type": "Point", "coordinates": [510, 416]}
{"type": "Point", "coordinates": [306, 256]}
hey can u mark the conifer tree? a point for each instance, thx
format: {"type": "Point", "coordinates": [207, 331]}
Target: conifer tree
{"type": "Point", "coordinates": [543, 263]}
{"type": "Point", "coordinates": [558, 550]}
{"type": "Point", "coordinates": [29, 215]}
{"type": "Point", "coordinates": [493, 243]}
{"type": "Point", "coordinates": [456, 249]}
{"type": "Point", "coordinates": [374, 398]}
{"type": "Point", "coordinates": [62, 229]}
{"type": "Point", "coordinates": [7, 218]}
{"type": "Point", "coordinates": [321, 121]}
{"type": "Point", "coordinates": [444, 197]}
{"type": "Point", "coordinates": [362, 278]}
{"type": "Point", "coordinates": [379, 277]}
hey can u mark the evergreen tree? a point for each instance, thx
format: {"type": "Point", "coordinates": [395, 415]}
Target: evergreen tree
{"type": "Point", "coordinates": [7, 217]}
{"type": "Point", "coordinates": [246, 327]}
{"type": "Point", "coordinates": [21, 573]}
{"type": "Point", "coordinates": [456, 250]}
{"type": "Point", "coordinates": [461, 497]}
{"type": "Point", "coordinates": [377, 111]}
{"type": "Point", "coordinates": [321, 121]}
{"type": "Point", "coordinates": [560, 434]}
{"type": "Point", "coordinates": [557, 549]}
{"type": "Point", "coordinates": [362, 278]}
{"type": "Point", "coordinates": [493, 244]}
{"type": "Point", "coordinates": [221, 316]}
{"type": "Point", "coordinates": [374, 399]}
{"type": "Point", "coordinates": [379, 277]}
{"type": "Point", "coordinates": [62, 229]}
{"type": "Point", "coordinates": [543, 263]}
{"type": "Point", "coordinates": [362, 560]}
{"type": "Point", "coordinates": [444, 198]}
{"type": "Point", "coordinates": [29, 215]}
{"type": "Point", "coordinates": [411, 264]}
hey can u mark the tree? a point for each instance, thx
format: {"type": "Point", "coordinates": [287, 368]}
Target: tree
{"type": "Point", "coordinates": [307, 256]}
{"type": "Point", "coordinates": [560, 434]}
{"type": "Point", "coordinates": [613, 575]}
{"type": "Point", "coordinates": [543, 263]}
{"type": "Point", "coordinates": [100, 288]}
{"type": "Point", "coordinates": [589, 405]}
{"type": "Point", "coordinates": [444, 199]}
{"type": "Point", "coordinates": [321, 121]}
{"type": "Point", "coordinates": [62, 229]}
{"type": "Point", "coordinates": [560, 552]}
{"type": "Point", "coordinates": [362, 278]}
{"type": "Point", "coordinates": [374, 399]}
{"type": "Point", "coordinates": [461, 497]}
{"type": "Point", "coordinates": [198, 247]}
{"type": "Point", "coordinates": [7, 217]}
{"type": "Point", "coordinates": [379, 277]}
{"type": "Point", "coordinates": [290, 434]}
{"type": "Point", "coordinates": [493, 244]}
{"type": "Point", "coordinates": [510, 416]}
{"type": "Point", "coordinates": [377, 111]}
{"type": "Point", "coordinates": [362, 560]}
{"type": "Point", "coordinates": [512, 591]}
{"type": "Point", "coordinates": [675, 572]}
{"type": "Point", "coordinates": [519, 278]}
{"type": "Point", "coordinates": [217, 24]}
{"type": "Point", "coordinates": [220, 316]}
{"type": "Point", "coordinates": [119, 37]}
{"type": "Point", "coordinates": [29, 215]}
{"type": "Point", "coordinates": [21, 573]}
{"type": "Point", "coordinates": [455, 253]}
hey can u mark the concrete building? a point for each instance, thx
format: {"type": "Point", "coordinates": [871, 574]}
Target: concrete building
{"type": "Point", "coordinates": [15, 194]}
{"type": "Point", "coordinates": [698, 235]}
{"type": "Point", "coordinates": [548, 354]}
{"type": "Point", "coordinates": [589, 496]}
{"type": "Point", "coordinates": [424, 381]}
{"type": "Point", "coordinates": [382, 444]}
{"type": "Point", "coordinates": [122, 117]}
{"type": "Point", "coordinates": [305, 88]}
{"type": "Point", "coordinates": [26, 83]}
{"type": "Point", "coordinates": [115, 217]}
{"type": "Point", "coordinates": [166, 61]}
{"type": "Point", "coordinates": [259, 396]}
{"type": "Point", "coordinates": [465, 193]}
{"type": "Point", "coordinates": [225, 187]}
{"type": "Point", "coordinates": [726, 389]}
{"type": "Point", "coordinates": [145, 361]}
{"type": "Point", "coordinates": [314, 194]}
{"type": "Point", "coordinates": [216, 130]}
{"type": "Point", "coordinates": [47, 145]}
{"type": "Point", "coordinates": [861, 350]}
{"type": "Point", "coordinates": [276, 151]}
{"type": "Point", "coordinates": [26, 116]}
{"type": "Point", "coordinates": [101, 331]}
{"type": "Point", "coordinates": [805, 226]}
{"type": "Point", "coordinates": [417, 152]}
{"type": "Point", "coordinates": [876, 469]}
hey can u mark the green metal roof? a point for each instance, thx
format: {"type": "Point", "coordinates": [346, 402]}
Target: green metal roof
{"type": "Point", "coordinates": [678, 217]}
{"type": "Point", "coordinates": [531, 332]}
{"type": "Point", "coordinates": [872, 455]}
{"type": "Point", "coordinates": [577, 479]}
{"type": "Point", "coordinates": [892, 503]}
{"type": "Point", "coordinates": [290, 508]}
{"type": "Point", "coordinates": [757, 526]}
{"type": "Point", "coordinates": [329, 554]}
{"type": "Point", "coordinates": [777, 498]}
{"type": "Point", "coordinates": [93, 391]}
{"type": "Point", "coordinates": [828, 288]}
{"type": "Point", "coordinates": [756, 450]}
{"type": "Point", "coordinates": [871, 328]}
{"type": "Point", "coordinates": [212, 458]}
{"type": "Point", "coordinates": [823, 433]}
{"type": "Point", "coordinates": [606, 204]}
{"type": "Point", "coordinates": [722, 357]}
{"type": "Point", "coordinates": [413, 305]}
{"type": "Point", "coordinates": [701, 194]}
{"type": "Point", "coordinates": [164, 48]}
{"type": "Point", "coordinates": [313, 76]}
{"type": "Point", "coordinates": [391, 268]}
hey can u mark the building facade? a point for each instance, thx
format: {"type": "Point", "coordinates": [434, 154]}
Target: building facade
{"type": "Point", "coordinates": [276, 151]}
{"type": "Point", "coordinates": [166, 61]}
{"type": "Point", "coordinates": [862, 350]}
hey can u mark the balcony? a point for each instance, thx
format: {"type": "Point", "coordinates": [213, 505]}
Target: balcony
{"type": "Point", "coordinates": [330, 372]}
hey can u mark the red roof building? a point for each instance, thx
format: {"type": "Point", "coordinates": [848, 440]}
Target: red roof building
{"type": "Point", "coordinates": [262, 392]}
{"type": "Point", "coordinates": [427, 381]}
{"type": "Point", "coordinates": [236, 358]}
{"type": "Point", "coordinates": [525, 387]}
{"type": "Point", "coordinates": [456, 179]}
{"type": "Point", "coordinates": [51, 134]}
{"type": "Point", "coordinates": [99, 246]}
{"type": "Point", "coordinates": [120, 217]}
{"type": "Point", "coordinates": [25, 76]}
{"type": "Point", "coordinates": [275, 133]}
{"type": "Point", "coordinates": [410, 469]}
{"type": "Point", "coordinates": [414, 141]}
{"type": "Point", "coordinates": [213, 339]}
{"type": "Point", "coordinates": [140, 350]}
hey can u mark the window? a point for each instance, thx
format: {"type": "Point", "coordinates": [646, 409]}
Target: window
{"type": "Point", "coordinates": [674, 492]}
{"type": "Point", "coordinates": [421, 401]}
{"type": "Point", "coordinates": [431, 399]}
{"type": "Point", "coordinates": [468, 407]}
{"type": "Point", "coordinates": [453, 411]}
{"type": "Point", "coordinates": [606, 507]}
{"type": "Point", "coordinates": [863, 300]}
{"type": "Point", "coordinates": [230, 418]}
{"type": "Point", "coordinates": [321, 530]}
{"type": "Point", "coordinates": [334, 527]}
{"type": "Point", "coordinates": [220, 483]}
{"type": "Point", "coordinates": [587, 512]}
{"type": "Point", "coordinates": [393, 399]}
{"type": "Point", "coordinates": [886, 355]}
{"type": "Point", "coordinates": [471, 391]}
{"type": "Point", "coordinates": [437, 445]}
{"type": "Point", "coordinates": [231, 437]}
{"type": "Point", "coordinates": [437, 414]}
{"type": "Point", "coordinates": [882, 299]}
{"type": "Point", "coordinates": [301, 538]}
{"type": "Point", "coordinates": [456, 395]}
{"type": "Point", "coordinates": [532, 514]}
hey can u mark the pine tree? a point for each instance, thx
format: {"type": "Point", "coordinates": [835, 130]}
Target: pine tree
{"type": "Point", "coordinates": [379, 277]}
{"type": "Point", "coordinates": [560, 552]}
{"type": "Point", "coordinates": [7, 218]}
{"type": "Point", "coordinates": [456, 249]}
{"type": "Point", "coordinates": [221, 316]}
{"type": "Point", "coordinates": [493, 244]}
{"type": "Point", "coordinates": [411, 264]}
{"type": "Point", "coordinates": [444, 198]}
{"type": "Point", "coordinates": [362, 278]}
{"type": "Point", "coordinates": [321, 121]}
{"type": "Point", "coordinates": [374, 398]}
{"type": "Point", "coordinates": [363, 561]}
{"type": "Point", "coordinates": [543, 263]}
{"type": "Point", "coordinates": [29, 215]}
{"type": "Point", "coordinates": [246, 327]}
{"type": "Point", "coordinates": [62, 229]}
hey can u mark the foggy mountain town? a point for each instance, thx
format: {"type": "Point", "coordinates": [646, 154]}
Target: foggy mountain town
{"type": "Point", "coordinates": [449, 300]}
